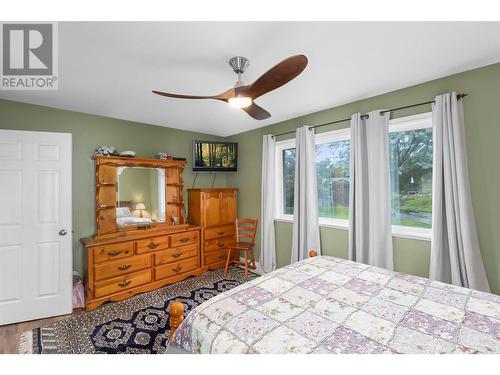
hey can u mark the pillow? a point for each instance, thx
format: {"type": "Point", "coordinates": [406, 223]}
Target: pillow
{"type": "Point", "coordinates": [123, 211]}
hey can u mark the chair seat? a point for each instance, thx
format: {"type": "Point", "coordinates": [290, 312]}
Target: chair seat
{"type": "Point", "coordinates": [240, 246]}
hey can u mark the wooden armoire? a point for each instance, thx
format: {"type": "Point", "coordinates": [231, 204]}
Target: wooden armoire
{"type": "Point", "coordinates": [215, 210]}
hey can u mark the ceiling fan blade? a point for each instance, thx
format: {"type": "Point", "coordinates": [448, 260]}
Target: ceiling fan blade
{"type": "Point", "coordinates": [223, 96]}
{"type": "Point", "coordinates": [257, 112]}
{"type": "Point", "coordinates": [277, 76]}
{"type": "Point", "coordinates": [179, 96]}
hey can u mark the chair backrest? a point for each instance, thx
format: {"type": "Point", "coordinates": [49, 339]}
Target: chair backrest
{"type": "Point", "coordinates": [246, 229]}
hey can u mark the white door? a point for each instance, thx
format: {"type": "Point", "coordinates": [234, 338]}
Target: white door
{"type": "Point", "coordinates": [35, 225]}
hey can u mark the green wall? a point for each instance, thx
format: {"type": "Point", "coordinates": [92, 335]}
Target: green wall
{"type": "Point", "coordinates": [483, 142]}
{"type": "Point", "coordinates": [90, 131]}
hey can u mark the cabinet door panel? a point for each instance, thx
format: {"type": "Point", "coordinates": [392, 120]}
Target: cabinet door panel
{"type": "Point", "coordinates": [212, 209]}
{"type": "Point", "coordinates": [228, 208]}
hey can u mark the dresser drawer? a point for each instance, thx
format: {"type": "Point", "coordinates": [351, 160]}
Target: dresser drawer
{"type": "Point", "coordinates": [175, 254]}
{"type": "Point", "coordinates": [121, 283]}
{"type": "Point", "coordinates": [152, 244]}
{"type": "Point", "coordinates": [173, 269]}
{"type": "Point", "coordinates": [115, 251]}
{"type": "Point", "coordinates": [218, 243]}
{"type": "Point", "coordinates": [217, 256]}
{"type": "Point", "coordinates": [121, 266]}
{"type": "Point", "coordinates": [180, 239]}
{"type": "Point", "coordinates": [220, 231]}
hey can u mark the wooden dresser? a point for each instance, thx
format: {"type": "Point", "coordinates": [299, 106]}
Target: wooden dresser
{"type": "Point", "coordinates": [215, 210]}
{"type": "Point", "coordinates": [125, 260]}
{"type": "Point", "coordinates": [119, 267]}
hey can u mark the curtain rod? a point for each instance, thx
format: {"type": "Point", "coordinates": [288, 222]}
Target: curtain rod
{"type": "Point", "coordinates": [459, 96]}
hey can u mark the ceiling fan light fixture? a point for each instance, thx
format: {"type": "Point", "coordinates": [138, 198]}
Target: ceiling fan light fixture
{"type": "Point", "coordinates": [240, 101]}
{"type": "Point", "coordinates": [242, 96]}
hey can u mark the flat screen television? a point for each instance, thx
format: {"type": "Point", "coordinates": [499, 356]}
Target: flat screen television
{"type": "Point", "coordinates": [215, 156]}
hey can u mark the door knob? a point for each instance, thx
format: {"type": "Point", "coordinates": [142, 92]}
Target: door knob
{"type": "Point", "coordinates": [62, 232]}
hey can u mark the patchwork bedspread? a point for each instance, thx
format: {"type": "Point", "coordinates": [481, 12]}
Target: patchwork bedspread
{"type": "Point", "coordinates": [330, 305]}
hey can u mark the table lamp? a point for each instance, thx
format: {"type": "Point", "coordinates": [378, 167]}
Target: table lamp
{"type": "Point", "coordinates": [141, 208]}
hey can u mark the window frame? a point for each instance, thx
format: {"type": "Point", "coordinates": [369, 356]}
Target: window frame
{"type": "Point", "coordinates": [407, 123]}
{"type": "Point", "coordinates": [329, 137]}
{"type": "Point", "coordinates": [280, 147]}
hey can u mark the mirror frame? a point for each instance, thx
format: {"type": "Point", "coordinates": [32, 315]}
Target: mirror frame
{"type": "Point", "coordinates": [105, 185]}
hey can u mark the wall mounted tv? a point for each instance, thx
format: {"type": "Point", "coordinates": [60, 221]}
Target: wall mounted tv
{"type": "Point", "coordinates": [215, 156]}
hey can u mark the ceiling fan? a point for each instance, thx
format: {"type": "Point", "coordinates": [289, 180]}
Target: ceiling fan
{"type": "Point", "coordinates": [243, 96]}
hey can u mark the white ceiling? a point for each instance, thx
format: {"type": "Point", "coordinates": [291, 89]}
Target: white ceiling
{"type": "Point", "coordinates": [110, 68]}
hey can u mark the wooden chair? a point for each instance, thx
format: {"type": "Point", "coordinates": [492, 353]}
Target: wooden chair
{"type": "Point", "coordinates": [245, 241]}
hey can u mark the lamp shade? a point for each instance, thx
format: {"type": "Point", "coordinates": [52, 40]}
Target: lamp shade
{"type": "Point", "coordinates": [140, 206]}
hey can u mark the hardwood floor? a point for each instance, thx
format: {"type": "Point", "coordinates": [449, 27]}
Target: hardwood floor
{"type": "Point", "coordinates": [10, 334]}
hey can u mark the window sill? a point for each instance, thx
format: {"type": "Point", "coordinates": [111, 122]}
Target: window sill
{"type": "Point", "coordinates": [284, 219]}
{"type": "Point", "coordinates": [334, 223]}
{"type": "Point", "coordinates": [421, 234]}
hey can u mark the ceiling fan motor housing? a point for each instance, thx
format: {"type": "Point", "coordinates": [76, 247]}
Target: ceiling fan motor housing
{"type": "Point", "coordinates": [239, 64]}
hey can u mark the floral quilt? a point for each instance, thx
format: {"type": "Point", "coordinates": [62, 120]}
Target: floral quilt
{"type": "Point", "coordinates": [329, 305]}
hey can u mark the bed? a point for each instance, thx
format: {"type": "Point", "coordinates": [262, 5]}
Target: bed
{"type": "Point", "coordinates": [124, 216]}
{"type": "Point", "coordinates": [330, 305]}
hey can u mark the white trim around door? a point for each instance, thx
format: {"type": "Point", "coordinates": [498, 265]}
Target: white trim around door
{"type": "Point", "coordinates": [36, 243]}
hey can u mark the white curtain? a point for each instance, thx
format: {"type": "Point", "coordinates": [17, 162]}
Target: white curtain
{"type": "Point", "coordinates": [267, 260]}
{"type": "Point", "coordinates": [455, 254]}
{"type": "Point", "coordinates": [370, 229]}
{"type": "Point", "coordinates": [305, 213]}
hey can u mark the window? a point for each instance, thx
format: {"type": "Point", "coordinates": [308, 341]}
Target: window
{"type": "Point", "coordinates": [288, 180]}
{"type": "Point", "coordinates": [410, 147]}
{"type": "Point", "coordinates": [410, 155]}
{"type": "Point", "coordinates": [285, 168]}
{"type": "Point", "coordinates": [332, 169]}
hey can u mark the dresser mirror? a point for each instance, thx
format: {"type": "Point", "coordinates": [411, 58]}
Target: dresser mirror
{"type": "Point", "coordinates": [140, 196]}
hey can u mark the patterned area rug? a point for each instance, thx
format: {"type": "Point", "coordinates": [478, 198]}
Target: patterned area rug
{"type": "Point", "coordinates": [137, 325]}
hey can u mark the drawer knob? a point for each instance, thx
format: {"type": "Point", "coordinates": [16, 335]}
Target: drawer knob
{"type": "Point", "coordinates": [220, 233]}
{"type": "Point", "coordinates": [220, 244]}
{"type": "Point", "coordinates": [114, 253]}
{"type": "Point", "coordinates": [222, 256]}
{"type": "Point", "coordinates": [153, 246]}
{"type": "Point", "coordinates": [123, 284]}
{"type": "Point", "coordinates": [177, 269]}
{"type": "Point", "coordinates": [177, 254]}
{"type": "Point", "coordinates": [185, 239]}
{"type": "Point", "coordinates": [124, 267]}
